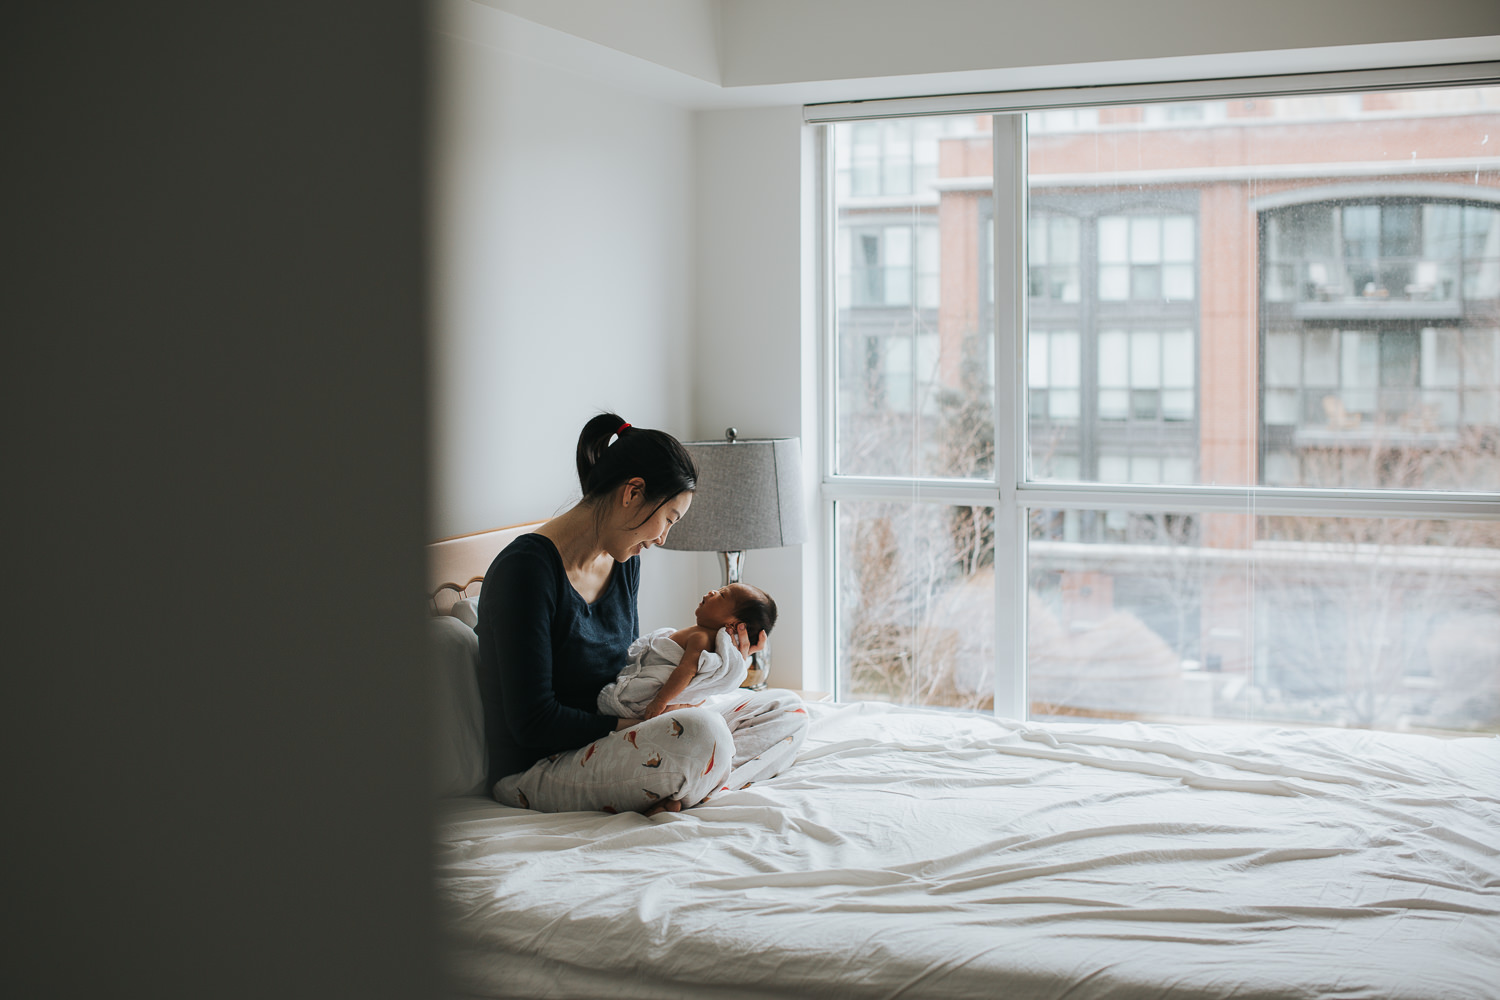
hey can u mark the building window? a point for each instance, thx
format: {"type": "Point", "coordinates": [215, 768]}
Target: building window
{"type": "Point", "coordinates": [908, 372]}
{"type": "Point", "coordinates": [1394, 249]}
{"type": "Point", "coordinates": [889, 265]}
{"type": "Point", "coordinates": [1335, 399]}
{"type": "Point", "coordinates": [1146, 258]}
{"type": "Point", "coordinates": [1112, 371]}
{"type": "Point", "coordinates": [1053, 251]}
{"type": "Point", "coordinates": [1146, 375]}
{"type": "Point", "coordinates": [889, 158]}
{"type": "Point", "coordinates": [1053, 376]}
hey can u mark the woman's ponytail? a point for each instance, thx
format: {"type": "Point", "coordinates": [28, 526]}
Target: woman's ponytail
{"type": "Point", "coordinates": [656, 457]}
{"type": "Point", "coordinates": [592, 443]}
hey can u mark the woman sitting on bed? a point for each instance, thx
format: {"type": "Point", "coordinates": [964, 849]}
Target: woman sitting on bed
{"type": "Point", "coordinates": [556, 616]}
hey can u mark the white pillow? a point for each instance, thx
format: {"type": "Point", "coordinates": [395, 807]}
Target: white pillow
{"type": "Point", "coordinates": [458, 752]}
{"type": "Point", "coordinates": [466, 611]}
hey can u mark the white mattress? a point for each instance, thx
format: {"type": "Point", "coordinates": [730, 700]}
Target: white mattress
{"type": "Point", "coordinates": [925, 854]}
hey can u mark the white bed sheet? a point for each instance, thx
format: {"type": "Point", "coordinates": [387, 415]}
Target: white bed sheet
{"type": "Point", "coordinates": [914, 853]}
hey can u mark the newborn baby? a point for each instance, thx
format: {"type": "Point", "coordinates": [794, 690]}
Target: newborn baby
{"type": "Point", "coordinates": [670, 668]}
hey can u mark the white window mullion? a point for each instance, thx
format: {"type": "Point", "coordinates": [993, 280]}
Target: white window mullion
{"type": "Point", "coordinates": [827, 356]}
{"type": "Point", "coordinates": [956, 492]}
{"type": "Point", "coordinates": [1270, 502]}
{"type": "Point", "coordinates": [1010, 411]}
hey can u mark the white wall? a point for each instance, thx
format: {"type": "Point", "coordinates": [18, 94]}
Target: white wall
{"type": "Point", "coordinates": [785, 41]}
{"type": "Point", "coordinates": [682, 35]}
{"type": "Point", "coordinates": [562, 280]}
{"type": "Point", "coordinates": [749, 325]}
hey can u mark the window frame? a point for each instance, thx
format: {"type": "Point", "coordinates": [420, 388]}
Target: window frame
{"type": "Point", "coordinates": [1011, 493]}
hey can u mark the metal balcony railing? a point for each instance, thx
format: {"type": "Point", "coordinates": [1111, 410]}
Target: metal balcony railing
{"type": "Point", "coordinates": [1364, 279]}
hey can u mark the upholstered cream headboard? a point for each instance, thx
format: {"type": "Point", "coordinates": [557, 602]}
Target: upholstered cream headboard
{"type": "Point", "coordinates": [456, 566]}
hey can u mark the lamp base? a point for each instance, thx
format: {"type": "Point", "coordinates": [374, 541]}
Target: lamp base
{"type": "Point", "coordinates": [733, 563]}
{"type": "Point", "coordinates": [759, 673]}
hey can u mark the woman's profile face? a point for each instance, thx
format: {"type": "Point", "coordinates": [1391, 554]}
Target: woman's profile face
{"type": "Point", "coordinates": [637, 536]}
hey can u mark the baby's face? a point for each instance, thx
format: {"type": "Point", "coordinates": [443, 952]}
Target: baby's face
{"type": "Point", "coordinates": [716, 609]}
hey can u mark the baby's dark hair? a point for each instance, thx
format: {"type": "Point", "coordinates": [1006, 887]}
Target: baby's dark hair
{"type": "Point", "coordinates": [655, 456]}
{"type": "Point", "coordinates": [758, 612]}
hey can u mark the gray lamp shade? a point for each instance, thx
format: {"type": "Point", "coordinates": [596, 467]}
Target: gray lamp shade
{"type": "Point", "coordinates": [749, 496]}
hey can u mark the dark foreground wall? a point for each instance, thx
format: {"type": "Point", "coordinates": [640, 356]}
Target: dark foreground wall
{"type": "Point", "coordinates": [214, 478]}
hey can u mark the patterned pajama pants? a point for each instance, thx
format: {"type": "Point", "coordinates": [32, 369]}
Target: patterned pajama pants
{"type": "Point", "coordinates": [686, 755]}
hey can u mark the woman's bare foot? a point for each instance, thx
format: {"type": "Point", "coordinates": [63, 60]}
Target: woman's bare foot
{"type": "Point", "coordinates": [669, 805]}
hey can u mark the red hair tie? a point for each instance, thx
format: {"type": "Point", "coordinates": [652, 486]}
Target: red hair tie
{"type": "Point", "coordinates": [623, 428]}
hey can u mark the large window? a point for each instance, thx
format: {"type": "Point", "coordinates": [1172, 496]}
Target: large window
{"type": "Point", "coordinates": [1181, 409]}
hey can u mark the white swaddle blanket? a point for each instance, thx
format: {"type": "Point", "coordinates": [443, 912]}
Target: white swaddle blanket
{"type": "Point", "coordinates": [654, 656]}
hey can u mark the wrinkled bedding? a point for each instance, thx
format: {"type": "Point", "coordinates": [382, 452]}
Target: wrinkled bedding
{"type": "Point", "coordinates": [924, 854]}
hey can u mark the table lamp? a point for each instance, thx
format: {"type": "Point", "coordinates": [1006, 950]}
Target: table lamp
{"type": "Point", "coordinates": [749, 496]}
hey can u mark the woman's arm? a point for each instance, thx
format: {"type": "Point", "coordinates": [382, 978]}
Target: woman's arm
{"type": "Point", "coordinates": [678, 680]}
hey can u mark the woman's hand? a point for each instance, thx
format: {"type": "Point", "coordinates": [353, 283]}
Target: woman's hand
{"type": "Point", "coordinates": [626, 724]}
{"type": "Point", "coordinates": [742, 640]}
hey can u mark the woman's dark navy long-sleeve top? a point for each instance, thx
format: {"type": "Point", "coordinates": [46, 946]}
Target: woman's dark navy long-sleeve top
{"type": "Point", "coordinates": [544, 653]}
